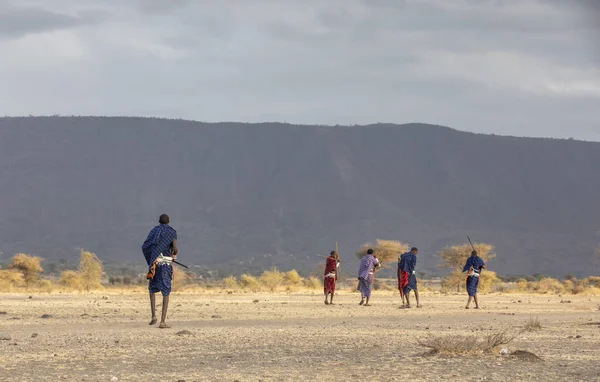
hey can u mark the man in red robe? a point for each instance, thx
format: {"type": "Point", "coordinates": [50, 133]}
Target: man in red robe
{"type": "Point", "coordinates": [330, 276]}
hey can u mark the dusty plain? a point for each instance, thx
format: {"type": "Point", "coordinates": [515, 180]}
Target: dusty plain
{"type": "Point", "coordinates": [289, 337]}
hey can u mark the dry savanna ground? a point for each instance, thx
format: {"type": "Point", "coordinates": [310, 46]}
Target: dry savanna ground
{"type": "Point", "coordinates": [290, 337]}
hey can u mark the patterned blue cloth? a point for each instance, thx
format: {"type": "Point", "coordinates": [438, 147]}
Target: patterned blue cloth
{"type": "Point", "coordinates": [160, 240]}
{"type": "Point", "coordinates": [367, 264]}
{"type": "Point", "coordinates": [476, 263]}
{"type": "Point", "coordinates": [408, 262]}
{"type": "Point", "coordinates": [472, 284]}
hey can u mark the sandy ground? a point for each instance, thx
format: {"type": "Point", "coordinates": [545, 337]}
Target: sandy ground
{"type": "Point", "coordinates": [288, 337]}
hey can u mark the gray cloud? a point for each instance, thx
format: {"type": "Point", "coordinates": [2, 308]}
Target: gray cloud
{"type": "Point", "coordinates": [513, 67]}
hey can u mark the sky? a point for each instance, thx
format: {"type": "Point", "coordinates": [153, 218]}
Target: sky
{"type": "Point", "coordinates": [512, 67]}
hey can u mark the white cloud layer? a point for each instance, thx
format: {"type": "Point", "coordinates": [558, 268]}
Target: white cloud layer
{"type": "Point", "coordinates": [518, 67]}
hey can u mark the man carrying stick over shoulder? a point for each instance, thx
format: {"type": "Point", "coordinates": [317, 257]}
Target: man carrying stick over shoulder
{"type": "Point", "coordinates": [408, 262]}
{"type": "Point", "coordinates": [330, 276]}
{"type": "Point", "coordinates": [473, 268]}
{"type": "Point", "coordinates": [402, 279]}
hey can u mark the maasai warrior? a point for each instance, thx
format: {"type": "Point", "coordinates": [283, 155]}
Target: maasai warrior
{"type": "Point", "coordinates": [366, 275]}
{"type": "Point", "coordinates": [408, 262]}
{"type": "Point", "coordinates": [330, 276]}
{"type": "Point", "coordinates": [159, 249]}
{"type": "Point", "coordinates": [473, 268]}
{"type": "Point", "coordinates": [402, 279]}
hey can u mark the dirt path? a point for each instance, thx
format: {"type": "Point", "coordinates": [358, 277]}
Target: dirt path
{"type": "Point", "coordinates": [288, 338]}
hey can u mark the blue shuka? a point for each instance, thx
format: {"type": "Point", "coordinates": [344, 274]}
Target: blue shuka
{"type": "Point", "coordinates": [159, 241]}
{"type": "Point", "coordinates": [476, 264]}
{"type": "Point", "coordinates": [408, 262]}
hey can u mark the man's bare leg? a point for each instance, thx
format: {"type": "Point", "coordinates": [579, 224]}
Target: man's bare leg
{"type": "Point", "coordinates": [417, 298]}
{"type": "Point", "coordinates": [362, 300]}
{"type": "Point", "coordinates": [407, 299]}
{"type": "Point", "coordinates": [163, 318]}
{"type": "Point", "coordinates": [331, 299]}
{"type": "Point", "coordinates": [403, 303]}
{"type": "Point", "coordinates": [326, 301]}
{"type": "Point", "coordinates": [153, 308]}
{"type": "Point", "coordinates": [367, 303]}
{"type": "Point", "coordinates": [469, 302]}
{"type": "Point", "coordinates": [476, 302]}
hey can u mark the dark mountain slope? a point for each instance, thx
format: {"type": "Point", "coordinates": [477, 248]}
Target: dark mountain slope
{"type": "Point", "coordinates": [252, 195]}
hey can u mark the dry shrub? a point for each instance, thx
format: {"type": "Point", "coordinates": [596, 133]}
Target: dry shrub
{"type": "Point", "coordinates": [547, 285]}
{"type": "Point", "coordinates": [249, 282]}
{"type": "Point", "coordinates": [521, 285]}
{"type": "Point", "coordinates": [71, 280]}
{"type": "Point", "coordinates": [466, 344]}
{"type": "Point", "coordinates": [532, 325]}
{"type": "Point", "coordinates": [180, 279]}
{"type": "Point", "coordinates": [313, 283]}
{"type": "Point", "coordinates": [453, 281]}
{"type": "Point", "coordinates": [29, 266]}
{"type": "Point", "coordinates": [90, 270]}
{"type": "Point", "coordinates": [382, 285]}
{"type": "Point", "coordinates": [456, 256]}
{"type": "Point", "coordinates": [230, 282]}
{"type": "Point", "coordinates": [9, 279]}
{"type": "Point", "coordinates": [488, 282]}
{"type": "Point", "coordinates": [593, 281]}
{"type": "Point", "coordinates": [387, 251]}
{"type": "Point", "coordinates": [271, 279]}
{"type": "Point", "coordinates": [292, 278]}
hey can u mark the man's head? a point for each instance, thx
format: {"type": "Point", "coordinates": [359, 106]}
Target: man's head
{"type": "Point", "coordinates": [163, 219]}
{"type": "Point", "coordinates": [474, 253]}
{"type": "Point", "coordinates": [369, 251]}
{"type": "Point", "coordinates": [333, 254]}
{"type": "Point", "coordinates": [414, 250]}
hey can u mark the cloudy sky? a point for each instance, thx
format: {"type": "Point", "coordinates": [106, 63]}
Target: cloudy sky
{"type": "Point", "coordinates": [522, 67]}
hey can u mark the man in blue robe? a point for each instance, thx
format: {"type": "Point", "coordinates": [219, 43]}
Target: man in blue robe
{"type": "Point", "coordinates": [408, 262]}
{"type": "Point", "coordinates": [473, 267]}
{"type": "Point", "coordinates": [160, 249]}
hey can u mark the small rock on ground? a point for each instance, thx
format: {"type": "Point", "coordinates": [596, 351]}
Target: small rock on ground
{"type": "Point", "coordinates": [215, 316]}
{"type": "Point", "coordinates": [184, 333]}
{"type": "Point", "coordinates": [46, 316]}
{"type": "Point", "coordinates": [4, 336]}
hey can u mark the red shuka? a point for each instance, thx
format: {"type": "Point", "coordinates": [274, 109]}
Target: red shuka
{"type": "Point", "coordinates": [402, 282]}
{"type": "Point", "coordinates": [329, 282]}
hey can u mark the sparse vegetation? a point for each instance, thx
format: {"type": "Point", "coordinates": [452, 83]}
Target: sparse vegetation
{"type": "Point", "coordinates": [532, 325]}
{"type": "Point", "coordinates": [271, 280]}
{"type": "Point", "coordinates": [250, 282]}
{"type": "Point", "coordinates": [387, 251]}
{"type": "Point", "coordinates": [29, 266]}
{"type": "Point", "coordinates": [467, 344]}
{"type": "Point", "coordinates": [90, 270]}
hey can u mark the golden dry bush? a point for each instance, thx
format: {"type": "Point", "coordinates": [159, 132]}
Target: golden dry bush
{"type": "Point", "coordinates": [313, 283]}
{"type": "Point", "coordinates": [181, 278]}
{"type": "Point", "coordinates": [456, 256]}
{"type": "Point", "coordinates": [249, 282]}
{"type": "Point", "coordinates": [292, 278]}
{"type": "Point", "coordinates": [593, 281]}
{"type": "Point", "coordinates": [90, 270]}
{"type": "Point", "coordinates": [488, 282]}
{"type": "Point", "coordinates": [29, 266]}
{"type": "Point", "coordinates": [230, 282]}
{"type": "Point", "coordinates": [454, 281]}
{"type": "Point", "coordinates": [547, 286]}
{"type": "Point", "coordinates": [71, 280]}
{"type": "Point", "coordinates": [521, 285]}
{"type": "Point", "coordinates": [9, 279]}
{"type": "Point", "coordinates": [272, 279]}
{"type": "Point", "coordinates": [387, 251]}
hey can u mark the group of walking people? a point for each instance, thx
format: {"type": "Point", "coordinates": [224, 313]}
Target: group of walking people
{"type": "Point", "coordinates": [160, 251]}
{"type": "Point", "coordinates": [407, 279]}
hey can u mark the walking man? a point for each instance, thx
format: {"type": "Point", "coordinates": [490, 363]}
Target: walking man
{"type": "Point", "coordinates": [330, 276]}
{"type": "Point", "coordinates": [408, 262]}
{"type": "Point", "coordinates": [366, 275]}
{"type": "Point", "coordinates": [160, 249]}
{"type": "Point", "coordinates": [473, 267]}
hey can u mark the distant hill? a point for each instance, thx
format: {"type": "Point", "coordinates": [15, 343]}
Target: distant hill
{"type": "Point", "coordinates": [247, 196]}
